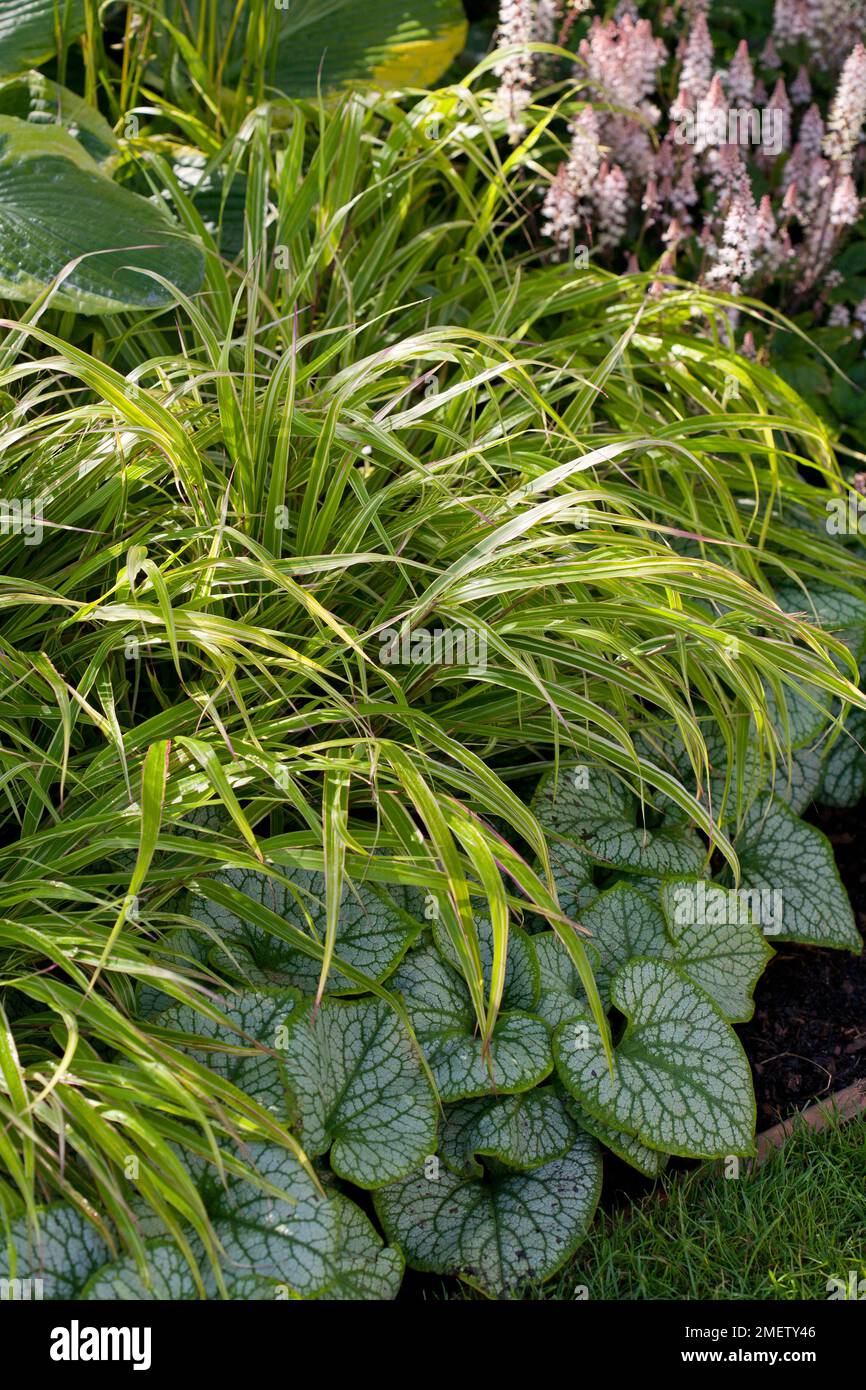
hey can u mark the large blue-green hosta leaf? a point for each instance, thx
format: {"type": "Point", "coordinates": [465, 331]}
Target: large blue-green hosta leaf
{"type": "Point", "coordinates": [57, 205]}
{"type": "Point", "coordinates": [444, 1022]}
{"type": "Point", "coordinates": [682, 1082]}
{"type": "Point", "coordinates": [323, 44]}
{"type": "Point", "coordinates": [359, 1089]}
{"type": "Point", "coordinates": [502, 1231]}
{"type": "Point", "coordinates": [33, 97]}
{"type": "Point", "coordinates": [792, 865]}
{"type": "Point", "coordinates": [29, 29]}
{"type": "Point", "coordinates": [603, 818]}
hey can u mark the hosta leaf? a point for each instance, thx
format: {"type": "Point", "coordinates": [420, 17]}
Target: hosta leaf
{"type": "Point", "coordinates": [293, 1242]}
{"type": "Point", "coordinates": [28, 30]}
{"type": "Point", "coordinates": [793, 864]}
{"type": "Point", "coordinates": [628, 1147]}
{"type": "Point", "coordinates": [502, 1231]}
{"type": "Point", "coordinates": [43, 170]}
{"type": "Point", "coordinates": [359, 1089]}
{"type": "Point", "coordinates": [33, 97]}
{"type": "Point", "coordinates": [372, 933]}
{"type": "Point", "coordinates": [843, 779]}
{"type": "Point", "coordinates": [602, 817]}
{"type": "Point", "coordinates": [715, 942]}
{"type": "Point", "coordinates": [64, 1254]}
{"type": "Point", "coordinates": [521, 967]}
{"type": "Point", "coordinates": [259, 1017]}
{"type": "Point", "coordinates": [169, 1278]}
{"type": "Point", "coordinates": [682, 1081]}
{"type": "Point", "coordinates": [444, 1023]}
{"type": "Point", "coordinates": [395, 43]}
{"type": "Point", "coordinates": [364, 1268]}
{"type": "Point", "coordinates": [521, 1131]}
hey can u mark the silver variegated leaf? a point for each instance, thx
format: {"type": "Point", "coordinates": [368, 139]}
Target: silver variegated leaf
{"type": "Point", "coordinates": [681, 1082]}
{"type": "Point", "coordinates": [359, 1089]}
{"type": "Point", "coordinates": [504, 1231]}
{"type": "Point", "coordinates": [443, 1020]}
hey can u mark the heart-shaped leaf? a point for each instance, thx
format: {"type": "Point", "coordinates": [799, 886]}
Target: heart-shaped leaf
{"type": "Point", "coordinates": [843, 779]}
{"type": "Point", "coordinates": [56, 205]}
{"type": "Point", "coordinates": [293, 1241]}
{"type": "Point", "coordinates": [520, 1131]}
{"type": "Point", "coordinates": [66, 1251]}
{"type": "Point", "coordinates": [522, 980]}
{"type": "Point", "coordinates": [624, 922]}
{"type": "Point", "coordinates": [792, 865]}
{"type": "Point", "coordinates": [169, 1278]}
{"type": "Point", "coordinates": [258, 1020]}
{"type": "Point", "coordinates": [597, 813]}
{"type": "Point", "coordinates": [444, 1023]}
{"type": "Point", "coordinates": [628, 1147]}
{"type": "Point", "coordinates": [373, 932]}
{"type": "Point", "coordinates": [715, 941]}
{"type": "Point", "coordinates": [28, 30]}
{"type": "Point", "coordinates": [364, 1269]}
{"type": "Point", "coordinates": [682, 1082]}
{"type": "Point", "coordinates": [503, 1231]}
{"type": "Point", "coordinates": [359, 1089]}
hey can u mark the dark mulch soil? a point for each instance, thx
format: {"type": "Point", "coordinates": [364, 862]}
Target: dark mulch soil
{"type": "Point", "coordinates": [807, 1038]}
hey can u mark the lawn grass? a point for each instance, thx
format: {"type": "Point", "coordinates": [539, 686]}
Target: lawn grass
{"type": "Point", "coordinates": [778, 1233]}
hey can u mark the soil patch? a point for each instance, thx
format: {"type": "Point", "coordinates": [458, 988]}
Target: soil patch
{"type": "Point", "coordinates": [807, 1037]}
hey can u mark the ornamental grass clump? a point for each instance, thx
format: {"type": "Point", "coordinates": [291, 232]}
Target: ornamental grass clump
{"type": "Point", "coordinates": [411, 700]}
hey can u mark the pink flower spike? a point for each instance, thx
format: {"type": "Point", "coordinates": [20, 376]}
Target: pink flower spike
{"type": "Point", "coordinates": [741, 77]}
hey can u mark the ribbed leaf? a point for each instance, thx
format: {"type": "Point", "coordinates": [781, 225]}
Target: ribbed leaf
{"type": "Point", "coordinates": [57, 205]}
{"type": "Point", "coordinates": [33, 97]}
{"type": "Point", "coordinates": [28, 30]}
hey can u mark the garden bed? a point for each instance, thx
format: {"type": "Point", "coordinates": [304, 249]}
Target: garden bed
{"type": "Point", "coordinates": [807, 1038]}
